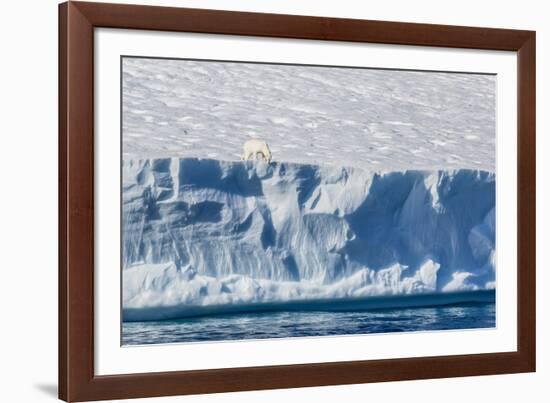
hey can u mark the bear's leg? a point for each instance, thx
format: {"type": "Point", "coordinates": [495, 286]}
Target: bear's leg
{"type": "Point", "coordinates": [267, 154]}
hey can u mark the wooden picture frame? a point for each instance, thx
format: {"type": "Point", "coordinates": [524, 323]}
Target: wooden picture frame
{"type": "Point", "coordinates": [77, 381]}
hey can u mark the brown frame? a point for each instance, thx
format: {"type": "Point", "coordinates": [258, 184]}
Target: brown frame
{"type": "Point", "coordinates": [77, 21]}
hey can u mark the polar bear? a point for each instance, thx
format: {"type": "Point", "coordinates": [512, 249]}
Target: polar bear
{"type": "Point", "coordinates": [253, 147]}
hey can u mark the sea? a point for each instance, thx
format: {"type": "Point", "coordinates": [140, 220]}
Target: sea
{"type": "Point", "coordinates": [309, 323]}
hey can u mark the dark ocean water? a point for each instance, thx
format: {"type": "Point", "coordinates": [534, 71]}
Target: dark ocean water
{"type": "Point", "coordinates": [277, 324]}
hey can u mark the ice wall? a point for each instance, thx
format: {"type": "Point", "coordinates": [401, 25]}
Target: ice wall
{"type": "Point", "coordinates": [206, 232]}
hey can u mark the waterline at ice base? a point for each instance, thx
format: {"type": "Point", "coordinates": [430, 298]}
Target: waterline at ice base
{"type": "Point", "coordinates": [204, 237]}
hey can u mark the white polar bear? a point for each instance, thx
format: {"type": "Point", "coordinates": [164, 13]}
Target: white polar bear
{"type": "Point", "coordinates": [253, 147]}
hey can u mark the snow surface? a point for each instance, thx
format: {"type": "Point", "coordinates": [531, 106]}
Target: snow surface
{"type": "Point", "coordinates": [205, 232]}
{"type": "Point", "coordinates": [373, 119]}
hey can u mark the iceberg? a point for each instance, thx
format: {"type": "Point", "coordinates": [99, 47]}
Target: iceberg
{"type": "Point", "coordinates": [204, 236]}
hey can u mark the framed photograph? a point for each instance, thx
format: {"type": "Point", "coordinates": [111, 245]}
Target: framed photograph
{"type": "Point", "coordinates": [255, 201]}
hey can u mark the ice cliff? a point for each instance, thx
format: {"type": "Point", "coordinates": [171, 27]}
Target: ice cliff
{"type": "Point", "coordinates": [203, 232]}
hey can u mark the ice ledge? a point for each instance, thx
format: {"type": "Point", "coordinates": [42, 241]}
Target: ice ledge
{"type": "Point", "coordinates": [246, 232]}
